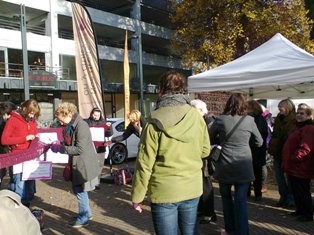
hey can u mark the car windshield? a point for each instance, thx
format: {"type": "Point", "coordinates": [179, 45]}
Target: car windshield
{"type": "Point", "coordinates": [120, 127]}
{"type": "Point", "coordinates": [119, 124]}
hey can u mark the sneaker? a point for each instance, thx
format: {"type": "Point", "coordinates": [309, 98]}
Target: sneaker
{"type": "Point", "coordinates": [213, 217]}
{"type": "Point", "coordinates": [294, 213]}
{"type": "Point", "coordinates": [264, 189]}
{"type": "Point", "coordinates": [205, 220]}
{"type": "Point", "coordinates": [208, 219]}
{"type": "Point", "coordinates": [89, 218]}
{"type": "Point", "coordinates": [79, 224]}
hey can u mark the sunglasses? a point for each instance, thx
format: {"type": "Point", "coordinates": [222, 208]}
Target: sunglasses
{"type": "Point", "coordinates": [301, 113]}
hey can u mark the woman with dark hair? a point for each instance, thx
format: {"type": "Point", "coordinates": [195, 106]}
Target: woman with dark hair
{"type": "Point", "coordinates": [298, 162]}
{"type": "Point", "coordinates": [255, 110]}
{"type": "Point", "coordinates": [234, 166]}
{"type": "Point", "coordinates": [169, 161]}
{"type": "Point", "coordinates": [284, 123]}
{"type": "Point", "coordinates": [18, 133]}
{"type": "Point", "coordinates": [96, 118]}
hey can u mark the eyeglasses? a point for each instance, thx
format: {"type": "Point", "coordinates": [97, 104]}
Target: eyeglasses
{"type": "Point", "coordinates": [301, 113]}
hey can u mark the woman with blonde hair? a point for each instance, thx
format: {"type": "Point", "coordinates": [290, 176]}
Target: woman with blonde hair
{"type": "Point", "coordinates": [82, 157]}
{"type": "Point", "coordinates": [284, 122]}
{"type": "Point", "coordinates": [136, 125]}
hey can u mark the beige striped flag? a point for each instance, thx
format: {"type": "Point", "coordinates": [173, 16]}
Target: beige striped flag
{"type": "Point", "coordinates": [86, 60]}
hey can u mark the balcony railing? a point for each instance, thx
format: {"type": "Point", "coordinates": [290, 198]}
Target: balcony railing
{"type": "Point", "coordinates": [15, 25]}
{"type": "Point", "coordinates": [13, 70]}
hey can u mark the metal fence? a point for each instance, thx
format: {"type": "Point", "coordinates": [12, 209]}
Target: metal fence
{"type": "Point", "coordinates": [14, 70]}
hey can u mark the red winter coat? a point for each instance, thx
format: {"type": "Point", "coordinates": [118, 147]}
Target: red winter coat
{"type": "Point", "coordinates": [15, 131]}
{"type": "Point", "coordinates": [298, 151]}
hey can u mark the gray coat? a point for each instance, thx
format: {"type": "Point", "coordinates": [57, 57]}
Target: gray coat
{"type": "Point", "coordinates": [235, 162]}
{"type": "Point", "coordinates": [85, 164]}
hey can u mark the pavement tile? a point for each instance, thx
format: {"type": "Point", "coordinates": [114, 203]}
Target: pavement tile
{"type": "Point", "coordinates": [113, 214]}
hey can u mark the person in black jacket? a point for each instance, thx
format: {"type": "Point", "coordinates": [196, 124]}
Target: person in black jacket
{"type": "Point", "coordinates": [96, 118]}
{"type": "Point", "coordinates": [206, 205]}
{"type": "Point", "coordinates": [5, 114]}
{"type": "Point", "coordinates": [258, 153]}
{"type": "Point", "coordinates": [137, 123]}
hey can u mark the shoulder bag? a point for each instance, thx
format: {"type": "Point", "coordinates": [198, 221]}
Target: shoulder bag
{"type": "Point", "coordinates": [216, 150]}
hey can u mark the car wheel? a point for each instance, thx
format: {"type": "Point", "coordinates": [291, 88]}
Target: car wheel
{"type": "Point", "coordinates": [118, 153]}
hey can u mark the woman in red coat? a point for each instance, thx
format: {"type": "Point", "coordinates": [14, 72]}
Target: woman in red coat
{"type": "Point", "coordinates": [18, 133]}
{"type": "Point", "coordinates": [298, 162]}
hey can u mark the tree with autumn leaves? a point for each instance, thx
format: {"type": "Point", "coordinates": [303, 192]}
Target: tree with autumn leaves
{"type": "Point", "coordinates": [210, 33]}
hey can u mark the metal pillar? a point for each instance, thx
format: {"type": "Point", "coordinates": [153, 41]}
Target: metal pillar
{"type": "Point", "coordinates": [136, 13]}
{"type": "Point", "coordinates": [25, 56]}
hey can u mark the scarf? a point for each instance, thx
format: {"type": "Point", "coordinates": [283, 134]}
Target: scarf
{"type": "Point", "coordinates": [304, 123]}
{"type": "Point", "coordinates": [172, 100]}
{"type": "Point", "coordinates": [68, 129]}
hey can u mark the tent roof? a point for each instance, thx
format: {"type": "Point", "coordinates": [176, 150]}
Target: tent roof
{"type": "Point", "coordinates": [276, 69]}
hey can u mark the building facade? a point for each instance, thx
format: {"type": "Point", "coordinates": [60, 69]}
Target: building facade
{"type": "Point", "coordinates": [51, 52]}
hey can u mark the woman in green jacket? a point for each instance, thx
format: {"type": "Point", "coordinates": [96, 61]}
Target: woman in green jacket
{"type": "Point", "coordinates": [169, 162]}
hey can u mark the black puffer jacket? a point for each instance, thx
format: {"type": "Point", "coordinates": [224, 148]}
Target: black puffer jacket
{"type": "Point", "coordinates": [259, 153]}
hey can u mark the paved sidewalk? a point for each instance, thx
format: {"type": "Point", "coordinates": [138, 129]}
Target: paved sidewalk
{"type": "Point", "coordinates": [112, 212]}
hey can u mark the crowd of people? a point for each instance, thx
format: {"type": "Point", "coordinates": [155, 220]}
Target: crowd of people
{"type": "Point", "coordinates": [174, 168]}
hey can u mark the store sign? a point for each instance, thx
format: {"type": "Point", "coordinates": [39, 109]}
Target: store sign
{"type": "Point", "coordinates": [42, 78]}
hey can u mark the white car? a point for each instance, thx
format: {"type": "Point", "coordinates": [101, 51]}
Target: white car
{"type": "Point", "coordinates": [128, 148]}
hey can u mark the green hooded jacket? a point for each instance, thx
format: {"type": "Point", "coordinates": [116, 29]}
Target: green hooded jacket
{"type": "Point", "coordinates": [169, 160]}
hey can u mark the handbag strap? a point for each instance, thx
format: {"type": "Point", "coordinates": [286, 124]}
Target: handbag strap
{"type": "Point", "coordinates": [233, 129]}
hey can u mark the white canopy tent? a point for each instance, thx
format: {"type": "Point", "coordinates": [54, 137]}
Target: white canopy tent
{"type": "Point", "coordinates": [276, 69]}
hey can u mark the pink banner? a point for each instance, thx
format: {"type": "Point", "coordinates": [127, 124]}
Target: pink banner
{"type": "Point", "coordinates": [37, 148]}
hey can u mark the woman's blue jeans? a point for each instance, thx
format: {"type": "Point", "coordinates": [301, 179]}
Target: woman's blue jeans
{"type": "Point", "coordinates": [25, 189]}
{"type": "Point", "coordinates": [235, 208]}
{"type": "Point", "coordinates": [83, 205]}
{"type": "Point", "coordinates": [284, 186]}
{"type": "Point", "coordinates": [167, 217]}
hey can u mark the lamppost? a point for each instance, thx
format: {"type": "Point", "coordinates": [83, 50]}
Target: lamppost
{"type": "Point", "coordinates": [140, 70]}
{"type": "Point", "coordinates": [24, 49]}
{"type": "Point", "coordinates": [139, 65]}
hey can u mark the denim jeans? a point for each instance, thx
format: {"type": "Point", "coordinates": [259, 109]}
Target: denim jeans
{"type": "Point", "coordinates": [235, 209]}
{"type": "Point", "coordinates": [83, 204]}
{"type": "Point", "coordinates": [24, 188]}
{"type": "Point", "coordinates": [167, 217]}
{"type": "Point", "coordinates": [284, 187]}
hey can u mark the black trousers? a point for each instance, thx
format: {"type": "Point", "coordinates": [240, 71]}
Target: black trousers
{"type": "Point", "coordinates": [206, 203]}
{"type": "Point", "coordinates": [301, 189]}
{"type": "Point", "coordinates": [257, 183]}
